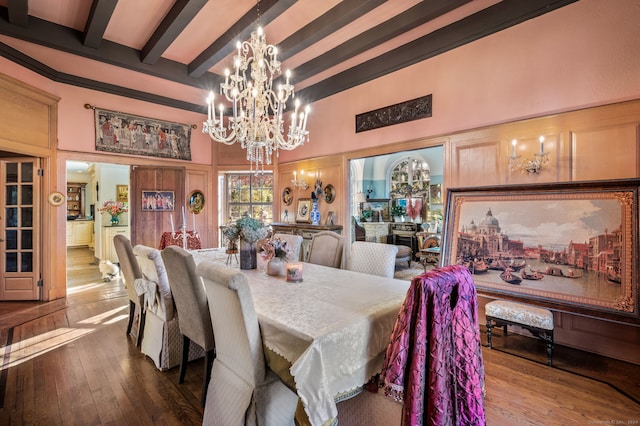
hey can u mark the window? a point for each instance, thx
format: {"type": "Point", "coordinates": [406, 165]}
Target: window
{"type": "Point", "coordinates": [249, 193]}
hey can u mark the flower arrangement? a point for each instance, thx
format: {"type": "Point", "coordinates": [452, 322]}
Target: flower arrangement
{"type": "Point", "coordinates": [317, 189]}
{"type": "Point", "coordinates": [114, 208]}
{"type": "Point", "coordinates": [246, 228]}
{"type": "Point", "coordinates": [398, 210]}
{"type": "Point", "coordinates": [275, 247]}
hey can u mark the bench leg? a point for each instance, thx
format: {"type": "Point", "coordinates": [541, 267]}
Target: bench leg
{"type": "Point", "coordinates": [489, 327]}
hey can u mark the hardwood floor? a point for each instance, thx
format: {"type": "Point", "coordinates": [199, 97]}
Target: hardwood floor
{"type": "Point", "coordinates": [69, 362]}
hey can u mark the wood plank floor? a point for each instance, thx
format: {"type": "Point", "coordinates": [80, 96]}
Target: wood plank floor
{"type": "Point", "coordinates": [69, 362]}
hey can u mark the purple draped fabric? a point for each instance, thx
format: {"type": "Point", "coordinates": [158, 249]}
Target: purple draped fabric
{"type": "Point", "coordinates": [434, 360]}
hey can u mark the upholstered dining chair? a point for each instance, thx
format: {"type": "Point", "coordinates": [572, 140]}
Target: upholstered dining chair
{"type": "Point", "coordinates": [161, 341]}
{"type": "Point", "coordinates": [131, 272]}
{"type": "Point", "coordinates": [193, 309]}
{"type": "Point", "coordinates": [326, 249]}
{"type": "Point", "coordinates": [373, 258]}
{"type": "Point", "coordinates": [242, 390]}
{"type": "Point", "coordinates": [294, 243]}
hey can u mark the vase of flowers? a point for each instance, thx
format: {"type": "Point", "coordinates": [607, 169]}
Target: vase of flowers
{"type": "Point", "coordinates": [115, 209]}
{"type": "Point", "coordinates": [276, 253]}
{"type": "Point", "coordinates": [398, 213]}
{"type": "Point", "coordinates": [248, 230]}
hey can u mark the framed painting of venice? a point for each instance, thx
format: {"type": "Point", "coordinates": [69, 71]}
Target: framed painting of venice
{"type": "Point", "coordinates": [568, 246]}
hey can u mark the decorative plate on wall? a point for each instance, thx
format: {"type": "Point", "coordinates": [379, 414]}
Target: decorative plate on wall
{"type": "Point", "coordinates": [329, 193]}
{"type": "Point", "coordinates": [196, 201]}
{"type": "Point", "coordinates": [287, 196]}
{"type": "Point", "coordinates": [56, 198]}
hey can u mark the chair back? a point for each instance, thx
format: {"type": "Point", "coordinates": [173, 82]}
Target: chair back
{"type": "Point", "coordinates": [359, 233]}
{"type": "Point", "coordinates": [129, 267]}
{"type": "Point", "coordinates": [294, 243]}
{"type": "Point", "coordinates": [239, 366]}
{"type": "Point", "coordinates": [326, 249]}
{"type": "Point", "coordinates": [189, 296]}
{"type": "Point", "coordinates": [373, 258]}
{"type": "Point", "coordinates": [154, 271]}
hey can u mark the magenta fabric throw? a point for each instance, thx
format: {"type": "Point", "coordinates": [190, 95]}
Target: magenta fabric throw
{"type": "Point", "coordinates": [434, 359]}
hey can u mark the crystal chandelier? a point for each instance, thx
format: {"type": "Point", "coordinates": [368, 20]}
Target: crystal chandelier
{"type": "Point", "coordinates": [257, 121]}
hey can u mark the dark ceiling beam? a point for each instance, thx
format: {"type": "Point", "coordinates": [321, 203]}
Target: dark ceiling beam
{"type": "Point", "coordinates": [267, 10]}
{"type": "Point", "coordinates": [99, 17]}
{"type": "Point", "coordinates": [69, 40]}
{"type": "Point", "coordinates": [53, 75]}
{"type": "Point", "coordinates": [19, 12]}
{"type": "Point", "coordinates": [400, 24]}
{"type": "Point", "coordinates": [182, 12]}
{"type": "Point", "coordinates": [486, 22]}
{"type": "Point", "coordinates": [333, 20]}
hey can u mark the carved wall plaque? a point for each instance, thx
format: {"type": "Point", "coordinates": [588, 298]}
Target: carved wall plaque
{"type": "Point", "coordinates": [394, 114]}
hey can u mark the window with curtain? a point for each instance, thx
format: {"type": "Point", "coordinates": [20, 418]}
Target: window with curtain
{"type": "Point", "coordinates": [249, 193]}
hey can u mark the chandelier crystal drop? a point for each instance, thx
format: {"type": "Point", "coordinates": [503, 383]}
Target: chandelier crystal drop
{"type": "Point", "coordinates": [257, 120]}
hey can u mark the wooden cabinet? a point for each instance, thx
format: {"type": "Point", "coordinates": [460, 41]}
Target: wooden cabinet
{"type": "Point", "coordinates": [75, 199]}
{"type": "Point", "coordinates": [80, 233]}
{"type": "Point", "coordinates": [306, 231]}
{"type": "Point", "coordinates": [108, 233]}
{"type": "Point", "coordinates": [405, 233]}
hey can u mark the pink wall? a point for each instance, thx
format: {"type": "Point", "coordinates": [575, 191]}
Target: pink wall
{"type": "Point", "coordinates": [76, 130]}
{"type": "Point", "coordinates": [582, 55]}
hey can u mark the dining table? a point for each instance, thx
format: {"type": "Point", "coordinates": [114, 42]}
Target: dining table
{"type": "Point", "coordinates": [332, 328]}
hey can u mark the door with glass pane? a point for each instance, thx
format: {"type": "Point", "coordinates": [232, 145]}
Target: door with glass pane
{"type": "Point", "coordinates": [19, 229]}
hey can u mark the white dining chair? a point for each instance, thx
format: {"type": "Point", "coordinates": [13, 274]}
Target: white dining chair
{"type": "Point", "coordinates": [131, 272]}
{"type": "Point", "coordinates": [294, 243]}
{"type": "Point", "coordinates": [242, 389]}
{"type": "Point", "coordinates": [373, 258]}
{"type": "Point", "coordinates": [326, 249]}
{"type": "Point", "coordinates": [193, 310]}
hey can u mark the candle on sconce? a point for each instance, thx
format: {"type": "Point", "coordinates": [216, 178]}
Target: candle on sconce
{"type": "Point", "coordinates": [513, 147]}
{"type": "Point", "coordinates": [294, 272]}
{"type": "Point", "coordinates": [184, 220]}
{"type": "Point", "coordinates": [193, 219]}
{"type": "Point", "coordinates": [541, 145]}
{"type": "Point", "coordinates": [173, 231]}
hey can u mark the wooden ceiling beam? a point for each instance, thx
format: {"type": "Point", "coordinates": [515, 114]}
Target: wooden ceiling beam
{"type": "Point", "coordinates": [99, 17]}
{"type": "Point", "coordinates": [180, 15]}
{"type": "Point", "coordinates": [241, 30]}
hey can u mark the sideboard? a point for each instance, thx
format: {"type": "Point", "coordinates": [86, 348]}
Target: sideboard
{"type": "Point", "coordinates": [306, 230]}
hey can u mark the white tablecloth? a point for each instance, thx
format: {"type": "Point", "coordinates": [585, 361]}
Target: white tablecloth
{"type": "Point", "coordinates": [333, 327]}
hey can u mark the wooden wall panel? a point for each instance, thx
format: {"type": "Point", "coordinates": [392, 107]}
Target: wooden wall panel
{"type": "Point", "coordinates": [329, 170]}
{"type": "Point", "coordinates": [605, 153]}
{"type": "Point", "coordinates": [476, 163]}
{"type": "Point", "coordinates": [27, 116]}
{"type": "Point", "coordinates": [147, 227]}
{"type": "Point", "coordinates": [201, 180]}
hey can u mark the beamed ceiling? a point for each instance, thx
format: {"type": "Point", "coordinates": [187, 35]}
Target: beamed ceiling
{"type": "Point", "coordinates": [172, 52]}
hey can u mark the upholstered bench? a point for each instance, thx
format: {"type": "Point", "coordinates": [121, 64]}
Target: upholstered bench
{"type": "Point", "coordinates": [538, 321]}
{"type": "Point", "coordinates": [404, 254]}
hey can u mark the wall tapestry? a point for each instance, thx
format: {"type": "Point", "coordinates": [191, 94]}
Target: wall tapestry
{"type": "Point", "coordinates": [395, 114]}
{"type": "Point", "coordinates": [131, 134]}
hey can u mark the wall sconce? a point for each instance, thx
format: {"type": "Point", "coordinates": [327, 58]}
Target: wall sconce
{"type": "Point", "coordinates": [299, 183]}
{"type": "Point", "coordinates": [369, 191]}
{"type": "Point", "coordinates": [529, 166]}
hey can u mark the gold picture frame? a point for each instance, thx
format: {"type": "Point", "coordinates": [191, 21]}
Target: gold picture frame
{"type": "Point", "coordinates": [303, 211]}
{"type": "Point", "coordinates": [580, 237]}
{"type": "Point", "coordinates": [122, 193]}
{"type": "Point", "coordinates": [195, 202]}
